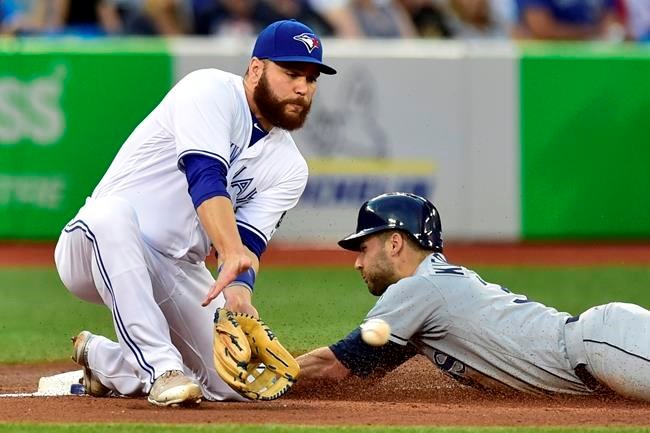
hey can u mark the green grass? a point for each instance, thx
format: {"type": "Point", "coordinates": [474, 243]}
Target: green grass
{"type": "Point", "coordinates": [575, 289]}
{"type": "Point", "coordinates": [306, 307]}
{"type": "Point", "coordinates": [270, 428]}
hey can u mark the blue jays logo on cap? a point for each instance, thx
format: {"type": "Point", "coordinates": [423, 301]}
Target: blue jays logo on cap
{"type": "Point", "coordinates": [291, 41]}
{"type": "Point", "coordinates": [310, 41]}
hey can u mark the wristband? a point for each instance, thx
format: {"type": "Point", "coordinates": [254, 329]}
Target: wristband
{"type": "Point", "coordinates": [246, 278]}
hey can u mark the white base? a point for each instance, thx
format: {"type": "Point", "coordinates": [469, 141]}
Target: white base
{"type": "Point", "coordinates": [52, 386]}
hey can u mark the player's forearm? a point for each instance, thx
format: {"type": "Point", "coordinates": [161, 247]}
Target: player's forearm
{"type": "Point", "coordinates": [218, 220]}
{"type": "Point", "coordinates": [321, 364]}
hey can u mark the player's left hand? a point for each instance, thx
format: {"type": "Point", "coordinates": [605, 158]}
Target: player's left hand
{"type": "Point", "coordinates": [238, 299]}
{"type": "Point", "coordinates": [249, 358]}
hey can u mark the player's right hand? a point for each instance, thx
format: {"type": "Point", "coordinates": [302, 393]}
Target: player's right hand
{"type": "Point", "coordinates": [231, 267]}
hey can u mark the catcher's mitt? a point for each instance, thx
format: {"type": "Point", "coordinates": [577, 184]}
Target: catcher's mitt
{"type": "Point", "coordinates": [249, 358]}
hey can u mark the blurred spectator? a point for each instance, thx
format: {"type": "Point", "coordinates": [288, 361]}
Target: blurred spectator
{"type": "Point", "coordinates": [169, 17]}
{"type": "Point", "coordinates": [233, 17]}
{"type": "Point", "coordinates": [521, 19]}
{"type": "Point", "coordinates": [339, 15]}
{"type": "Point", "coordinates": [155, 17]}
{"type": "Point", "coordinates": [428, 19]}
{"type": "Point", "coordinates": [565, 19]}
{"type": "Point", "coordinates": [84, 17]}
{"type": "Point", "coordinates": [383, 19]}
{"type": "Point", "coordinates": [636, 15]}
{"type": "Point", "coordinates": [303, 12]}
{"type": "Point", "coordinates": [22, 17]}
{"type": "Point", "coordinates": [470, 19]}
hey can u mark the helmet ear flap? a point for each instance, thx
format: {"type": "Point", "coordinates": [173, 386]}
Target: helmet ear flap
{"type": "Point", "coordinates": [432, 228]}
{"type": "Point", "coordinates": [406, 212]}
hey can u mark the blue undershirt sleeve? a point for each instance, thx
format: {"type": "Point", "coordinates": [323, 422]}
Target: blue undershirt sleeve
{"type": "Point", "coordinates": [206, 177]}
{"type": "Point", "coordinates": [252, 241]}
{"type": "Point", "coordinates": [363, 360]}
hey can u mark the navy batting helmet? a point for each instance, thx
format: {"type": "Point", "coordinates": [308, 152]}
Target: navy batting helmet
{"type": "Point", "coordinates": [407, 212]}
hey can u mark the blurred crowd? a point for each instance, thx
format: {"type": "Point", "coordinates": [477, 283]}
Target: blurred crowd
{"type": "Point", "coordinates": [615, 20]}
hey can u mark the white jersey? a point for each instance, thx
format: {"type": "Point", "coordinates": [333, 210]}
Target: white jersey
{"type": "Point", "coordinates": [205, 113]}
{"type": "Point", "coordinates": [479, 332]}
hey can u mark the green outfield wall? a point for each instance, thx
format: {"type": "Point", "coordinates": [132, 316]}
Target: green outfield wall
{"type": "Point", "coordinates": [585, 141]}
{"type": "Point", "coordinates": [511, 142]}
{"type": "Point", "coordinates": [65, 108]}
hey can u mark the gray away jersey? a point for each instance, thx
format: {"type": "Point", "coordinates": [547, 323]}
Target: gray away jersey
{"type": "Point", "coordinates": [478, 332]}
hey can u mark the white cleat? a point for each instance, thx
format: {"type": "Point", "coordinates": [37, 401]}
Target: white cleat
{"type": "Point", "coordinates": [173, 388]}
{"type": "Point", "coordinates": [80, 355]}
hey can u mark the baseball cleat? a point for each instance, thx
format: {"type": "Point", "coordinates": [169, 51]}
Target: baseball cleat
{"type": "Point", "coordinates": [173, 388]}
{"type": "Point", "coordinates": [80, 355]}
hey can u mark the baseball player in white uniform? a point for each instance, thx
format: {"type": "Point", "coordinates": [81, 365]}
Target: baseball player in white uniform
{"type": "Point", "coordinates": [477, 332]}
{"type": "Point", "coordinates": [213, 165]}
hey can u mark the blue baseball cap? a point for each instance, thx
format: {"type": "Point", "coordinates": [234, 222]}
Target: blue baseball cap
{"type": "Point", "coordinates": [291, 41]}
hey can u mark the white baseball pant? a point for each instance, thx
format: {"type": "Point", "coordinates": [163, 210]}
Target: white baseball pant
{"type": "Point", "coordinates": [155, 301]}
{"type": "Point", "coordinates": [613, 342]}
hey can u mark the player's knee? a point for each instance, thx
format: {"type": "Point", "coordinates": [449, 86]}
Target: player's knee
{"type": "Point", "coordinates": [64, 262]}
{"type": "Point", "coordinates": [73, 263]}
{"type": "Point", "coordinates": [81, 285]}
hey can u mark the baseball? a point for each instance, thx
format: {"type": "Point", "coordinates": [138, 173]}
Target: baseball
{"type": "Point", "coordinates": [375, 332]}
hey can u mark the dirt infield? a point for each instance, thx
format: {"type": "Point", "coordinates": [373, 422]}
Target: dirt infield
{"type": "Point", "coordinates": [414, 394]}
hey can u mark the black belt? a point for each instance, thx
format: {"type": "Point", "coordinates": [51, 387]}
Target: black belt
{"type": "Point", "coordinates": [588, 379]}
{"type": "Point", "coordinates": [572, 319]}
{"type": "Point", "coordinates": [581, 370]}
